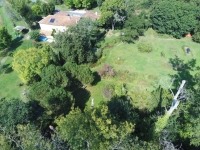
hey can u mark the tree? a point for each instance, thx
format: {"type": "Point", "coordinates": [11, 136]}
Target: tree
{"type": "Point", "coordinates": [87, 3]}
{"type": "Point", "coordinates": [51, 90]}
{"type": "Point", "coordinates": [82, 73]}
{"type": "Point", "coordinates": [35, 35]}
{"type": "Point", "coordinates": [99, 3]}
{"type": "Point", "coordinates": [196, 36]}
{"type": "Point", "coordinates": [75, 45]}
{"type": "Point", "coordinates": [69, 3]}
{"type": "Point", "coordinates": [95, 129]}
{"type": "Point", "coordinates": [5, 38]}
{"type": "Point", "coordinates": [29, 63]}
{"type": "Point", "coordinates": [174, 17]}
{"type": "Point", "coordinates": [79, 3]}
{"type": "Point", "coordinates": [13, 112]}
{"type": "Point", "coordinates": [134, 27]}
{"type": "Point", "coordinates": [112, 11]}
{"type": "Point", "coordinates": [36, 9]}
{"type": "Point", "coordinates": [55, 76]}
{"type": "Point", "coordinates": [30, 137]}
{"type": "Point", "coordinates": [57, 2]}
{"type": "Point", "coordinates": [47, 8]}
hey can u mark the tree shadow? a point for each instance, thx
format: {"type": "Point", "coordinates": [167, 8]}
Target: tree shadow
{"type": "Point", "coordinates": [97, 78]}
{"type": "Point", "coordinates": [81, 98]}
{"type": "Point", "coordinates": [7, 68]}
{"type": "Point", "coordinates": [15, 44]}
{"type": "Point", "coordinates": [183, 71]}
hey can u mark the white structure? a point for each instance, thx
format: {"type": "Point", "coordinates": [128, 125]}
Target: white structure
{"type": "Point", "coordinates": [62, 19]}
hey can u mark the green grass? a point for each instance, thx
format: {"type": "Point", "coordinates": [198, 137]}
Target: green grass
{"type": "Point", "coordinates": [6, 20]}
{"type": "Point", "coordinates": [62, 7]}
{"type": "Point", "coordinates": [9, 82]}
{"type": "Point", "coordinates": [147, 68]}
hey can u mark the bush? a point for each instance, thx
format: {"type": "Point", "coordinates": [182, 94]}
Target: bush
{"type": "Point", "coordinates": [98, 53]}
{"type": "Point", "coordinates": [145, 47]}
{"type": "Point", "coordinates": [107, 70]}
{"type": "Point", "coordinates": [35, 35]}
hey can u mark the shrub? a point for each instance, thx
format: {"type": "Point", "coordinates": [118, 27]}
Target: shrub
{"type": "Point", "coordinates": [107, 70]}
{"type": "Point", "coordinates": [98, 53]}
{"type": "Point", "coordinates": [35, 35]}
{"type": "Point", "coordinates": [145, 47]}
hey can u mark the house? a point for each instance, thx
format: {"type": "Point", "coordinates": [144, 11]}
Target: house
{"type": "Point", "coordinates": [61, 20]}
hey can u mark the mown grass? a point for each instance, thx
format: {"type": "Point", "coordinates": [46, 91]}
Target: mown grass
{"type": "Point", "coordinates": [147, 68]}
{"type": "Point", "coordinates": [9, 81]}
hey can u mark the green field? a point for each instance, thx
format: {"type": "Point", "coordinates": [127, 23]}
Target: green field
{"type": "Point", "coordinates": [144, 69]}
{"type": "Point", "coordinates": [9, 81]}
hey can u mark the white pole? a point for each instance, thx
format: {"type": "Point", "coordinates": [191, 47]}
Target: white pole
{"type": "Point", "coordinates": [173, 107]}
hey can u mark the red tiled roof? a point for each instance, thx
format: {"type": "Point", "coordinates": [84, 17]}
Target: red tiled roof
{"type": "Point", "coordinates": [62, 18]}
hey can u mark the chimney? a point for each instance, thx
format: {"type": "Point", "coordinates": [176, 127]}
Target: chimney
{"type": "Point", "coordinates": [95, 13]}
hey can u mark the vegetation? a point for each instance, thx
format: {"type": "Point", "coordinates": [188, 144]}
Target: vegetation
{"type": "Point", "coordinates": [95, 88]}
{"type": "Point", "coordinates": [79, 4]}
{"type": "Point", "coordinates": [5, 38]}
{"type": "Point", "coordinates": [175, 18]}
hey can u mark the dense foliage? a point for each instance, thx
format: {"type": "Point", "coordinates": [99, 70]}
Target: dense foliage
{"type": "Point", "coordinates": [79, 3]}
{"type": "Point", "coordinates": [175, 18]}
{"type": "Point", "coordinates": [76, 44]}
{"type": "Point", "coordinates": [54, 113]}
{"type": "Point", "coordinates": [27, 65]}
{"type": "Point", "coordinates": [5, 38]}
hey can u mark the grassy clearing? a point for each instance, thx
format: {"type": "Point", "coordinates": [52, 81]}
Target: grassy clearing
{"type": "Point", "coordinates": [6, 21]}
{"type": "Point", "coordinates": [144, 69]}
{"type": "Point", "coordinates": [9, 82]}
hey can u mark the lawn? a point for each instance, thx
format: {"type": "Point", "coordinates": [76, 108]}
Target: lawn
{"type": "Point", "coordinates": [144, 69]}
{"type": "Point", "coordinates": [9, 82]}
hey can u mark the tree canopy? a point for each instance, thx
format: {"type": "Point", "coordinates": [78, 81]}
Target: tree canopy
{"type": "Point", "coordinates": [112, 11]}
{"type": "Point", "coordinates": [79, 3]}
{"type": "Point", "coordinates": [29, 63]}
{"type": "Point", "coordinates": [98, 129]}
{"type": "Point", "coordinates": [5, 38]}
{"type": "Point", "coordinates": [76, 44]}
{"type": "Point", "coordinates": [173, 17]}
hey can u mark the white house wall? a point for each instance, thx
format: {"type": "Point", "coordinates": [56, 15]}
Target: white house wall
{"type": "Point", "coordinates": [51, 27]}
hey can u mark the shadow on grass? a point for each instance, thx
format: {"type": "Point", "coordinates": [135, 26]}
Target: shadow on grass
{"type": "Point", "coordinates": [183, 71]}
{"type": "Point", "coordinates": [15, 44]}
{"type": "Point", "coordinates": [7, 68]}
{"type": "Point", "coordinates": [97, 78]}
{"type": "Point", "coordinates": [81, 98]}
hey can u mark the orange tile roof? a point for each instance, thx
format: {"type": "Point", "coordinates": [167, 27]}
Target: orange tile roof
{"type": "Point", "coordinates": [61, 18]}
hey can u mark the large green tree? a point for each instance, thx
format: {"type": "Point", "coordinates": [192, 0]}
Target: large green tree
{"type": "Point", "coordinates": [52, 91]}
{"type": "Point", "coordinates": [5, 38]}
{"type": "Point", "coordinates": [133, 28]}
{"type": "Point", "coordinates": [13, 112]}
{"type": "Point", "coordinates": [29, 63]}
{"type": "Point", "coordinates": [75, 45]}
{"type": "Point", "coordinates": [93, 129]}
{"type": "Point", "coordinates": [175, 18]}
{"type": "Point", "coordinates": [83, 74]}
{"type": "Point", "coordinates": [112, 11]}
{"type": "Point", "coordinates": [79, 3]}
